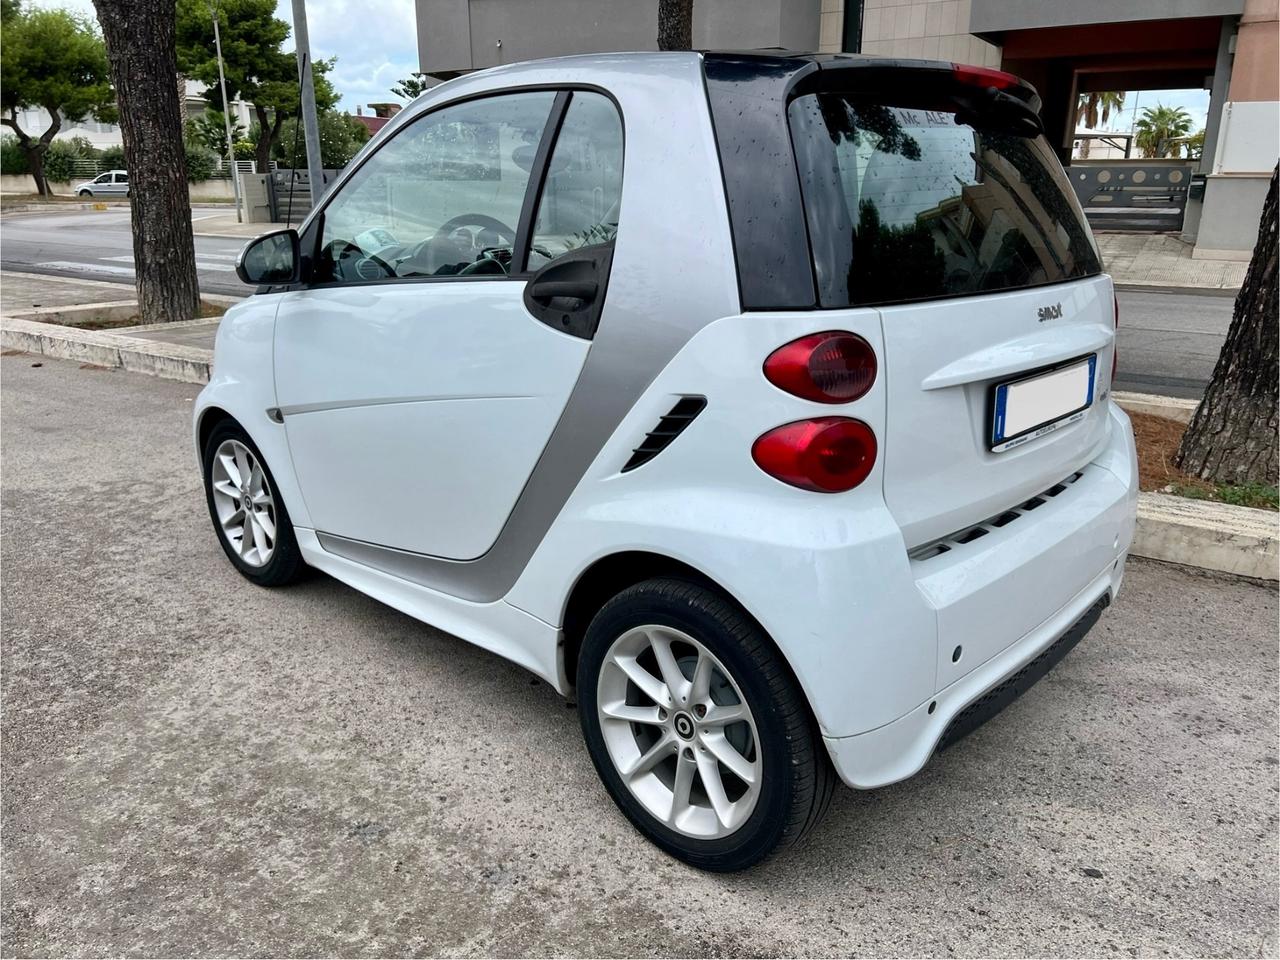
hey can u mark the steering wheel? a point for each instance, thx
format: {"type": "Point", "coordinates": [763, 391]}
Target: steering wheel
{"type": "Point", "coordinates": [454, 224]}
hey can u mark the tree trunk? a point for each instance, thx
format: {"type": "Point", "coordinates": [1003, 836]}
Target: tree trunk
{"type": "Point", "coordinates": [1232, 437]}
{"type": "Point", "coordinates": [675, 24]}
{"type": "Point", "coordinates": [33, 150]}
{"type": "Point", "coordinates": [140, 46]}
{"type": "Point", "coordinates": [268, 130]}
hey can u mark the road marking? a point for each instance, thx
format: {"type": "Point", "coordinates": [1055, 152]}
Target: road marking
{"type": "Point", "coordinates": [201, 262]}
{"type": "Point", "coordinates": [86, 267]}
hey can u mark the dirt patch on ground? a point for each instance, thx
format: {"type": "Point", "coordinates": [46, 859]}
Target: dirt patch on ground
{"type": "Point", "coordinates": [208, 311]}
{"type": "Point", "coordinates": [1158, 439]}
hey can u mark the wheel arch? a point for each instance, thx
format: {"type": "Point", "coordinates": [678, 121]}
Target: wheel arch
{"type": "Point", "coordinates": [206, 420]}
{"type": "Point", "coordinates": [608, 576]}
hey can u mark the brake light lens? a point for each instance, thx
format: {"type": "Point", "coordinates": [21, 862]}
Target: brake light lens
{"type": "Point", "coordinates": [826, 455]}
{"type": "Point", "coordinates": [983, 76]}
{"type": "Point", "coordinates": [831, 367]}
{"type": "Point", "coordinates": [1115, 342]}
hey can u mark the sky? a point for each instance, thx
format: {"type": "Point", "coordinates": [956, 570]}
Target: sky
{"type": "Point", "coordinates": [1195, 102]}
{"type": "Point", "coordinates": [376, 43]}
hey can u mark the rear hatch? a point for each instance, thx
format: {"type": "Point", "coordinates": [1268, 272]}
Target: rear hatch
{"type": "Point", "coordinates": [931, 194]}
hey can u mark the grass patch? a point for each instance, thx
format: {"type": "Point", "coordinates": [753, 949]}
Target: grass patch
{"type": "Point", "coordinates": [1158, 440]}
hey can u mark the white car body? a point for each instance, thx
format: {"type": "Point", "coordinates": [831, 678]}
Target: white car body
{"type": "Point", "coordinates": [470, 474]}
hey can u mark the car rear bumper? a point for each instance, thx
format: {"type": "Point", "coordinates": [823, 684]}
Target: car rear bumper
{"type": "Point", "coordinates": [1008, 606]}
{"type": "Point", "coordinates": [899, 749]}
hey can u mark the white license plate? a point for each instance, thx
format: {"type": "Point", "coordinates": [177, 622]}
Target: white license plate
{"type": "Point", "coordinates": [1029, 408]}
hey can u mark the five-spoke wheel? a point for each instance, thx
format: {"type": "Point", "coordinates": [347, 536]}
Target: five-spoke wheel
{"type": "Point", "coordinates": [678, 731]}
{"type": "Point", "coordinates": [245, 507]}
{"type": "Point", "coordinates": [252, 522]}
{"type": "Point", "coordinates": [697, 727]}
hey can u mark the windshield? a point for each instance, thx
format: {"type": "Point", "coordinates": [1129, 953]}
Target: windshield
{"type": "Point", "coordinates": [906, 203]}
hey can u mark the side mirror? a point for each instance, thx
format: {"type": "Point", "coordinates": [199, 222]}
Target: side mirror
{"type": "Point", "coordinates": [270, 259]}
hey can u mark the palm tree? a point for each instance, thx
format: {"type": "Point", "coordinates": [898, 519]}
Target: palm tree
{"type": "Point", "coordinates": [1158, 126]}
{"type": "Point", "coordinates": [1087, 110]}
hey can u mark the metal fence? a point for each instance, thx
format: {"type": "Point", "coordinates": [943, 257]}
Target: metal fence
{"type": "Point", "coordinates": [1141, 195]}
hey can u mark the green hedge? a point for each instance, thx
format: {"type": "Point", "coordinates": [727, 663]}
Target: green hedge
{"type": "Point", "coordinates": [12, 161]}
{"type": "Point", "coordinates": [59, 159]}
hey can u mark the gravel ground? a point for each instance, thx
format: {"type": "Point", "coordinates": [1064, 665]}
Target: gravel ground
{"type": "Point", "coordinates": [194, 766]}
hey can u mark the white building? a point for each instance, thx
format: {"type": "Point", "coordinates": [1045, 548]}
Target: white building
{"type": "Point", "coordinates": [35, 120]}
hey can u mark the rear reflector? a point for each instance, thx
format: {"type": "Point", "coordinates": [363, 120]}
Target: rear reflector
{"type": "Point", "coordinates": [983, 76]}
{"type": "Point", "coordinates": [831, 367]}
{"type": "Point", "coordinates": [826, 455]}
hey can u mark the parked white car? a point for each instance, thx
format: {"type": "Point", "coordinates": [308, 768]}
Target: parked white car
{"type": "Point", "coordinates": [759, 402]}
{"type": "Point", "coordinates": [113, 183]}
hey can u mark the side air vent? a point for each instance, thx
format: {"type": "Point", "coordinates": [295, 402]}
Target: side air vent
{"type": "Point", "coordinates": [958, 539]}
{"type": "Point", "coordinates": [668, 428]}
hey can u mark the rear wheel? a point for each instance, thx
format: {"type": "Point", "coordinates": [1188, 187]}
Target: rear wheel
{"type": "Point", "coordinates": [251, 520]}
{"type": "Point", "coordinates": [696, 727]}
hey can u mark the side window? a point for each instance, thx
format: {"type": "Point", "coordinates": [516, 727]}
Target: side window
{"type": "Point", "coordinates": [441, 199]}
{"type": "Point", "coordinates": [104, 178]}
{"type": "Point", "coordinates": [122, 178]}
{"type": "Point", "coordinates": [583, 188]}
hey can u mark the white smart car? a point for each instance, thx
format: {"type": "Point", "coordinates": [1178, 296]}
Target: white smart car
{"type": "Point", "coordinates": [759, 402]}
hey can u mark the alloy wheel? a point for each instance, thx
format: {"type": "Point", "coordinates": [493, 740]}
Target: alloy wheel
{"type": "Point", "coordinates": [679, 732]}
{"type": "Point", "coordinates": [244, 504]}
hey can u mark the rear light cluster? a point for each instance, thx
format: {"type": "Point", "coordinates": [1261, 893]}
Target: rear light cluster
{"type": "Point", "coordinates": [823, 454]}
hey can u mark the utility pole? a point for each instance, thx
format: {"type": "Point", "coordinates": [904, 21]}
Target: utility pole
{"type": "Point", "coordinates": [226, 117]}
{"type": "Point", "coordinates": [310, 128]}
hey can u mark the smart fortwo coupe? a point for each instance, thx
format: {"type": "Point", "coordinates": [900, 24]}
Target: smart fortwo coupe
{"type": "Point", "coordinates": [759, 402]}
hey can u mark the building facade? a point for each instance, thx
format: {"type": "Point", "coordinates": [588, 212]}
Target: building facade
{"type": "Point", "coordinates": [1229, 47]}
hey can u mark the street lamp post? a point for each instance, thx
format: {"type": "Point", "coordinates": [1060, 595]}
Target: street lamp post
{"type": "Point", "coordinates": [310, 128]}
{"type": "Point", "coordinates": [226, 118]}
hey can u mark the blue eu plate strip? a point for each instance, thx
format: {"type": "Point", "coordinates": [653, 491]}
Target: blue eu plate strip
{"type": "Point", "coordinates": [1002, 392]}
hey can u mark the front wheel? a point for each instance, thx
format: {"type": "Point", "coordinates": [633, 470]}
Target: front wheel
{"type": "Point", "coordinates": [86, 193]}
{"type": "Point", "coordinates": [697, 728]}
{"type": "Point", "coordinates": [250, 518]}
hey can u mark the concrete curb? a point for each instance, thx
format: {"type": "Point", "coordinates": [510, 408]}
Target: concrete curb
{"type": "Point", "coordinates": [1212, 536]}
{"type": "Point", "coordinates": [1171, 408]}
{"type": "Point", "coordinates": [169, 361]}
{"type": "Point", "coordinates": [1153, 286]}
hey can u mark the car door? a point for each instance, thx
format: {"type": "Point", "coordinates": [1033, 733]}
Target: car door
{"type": "Point", "coordinates": [417, 388]}
{"type": "Point", "coordinates": [100, 186]}
{"type": "Point", "coordinates": [120, 184]}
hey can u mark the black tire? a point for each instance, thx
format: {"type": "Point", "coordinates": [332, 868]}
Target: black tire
{"type": "Point", "coordinates": [86, 193]}
{"type": "Point", "coordinates": [286, 564]}
{"type": "Point", "coordinates": [797, 781]}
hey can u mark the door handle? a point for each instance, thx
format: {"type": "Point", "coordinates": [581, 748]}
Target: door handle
{"type": "Point", "coordinates": [584, 290]}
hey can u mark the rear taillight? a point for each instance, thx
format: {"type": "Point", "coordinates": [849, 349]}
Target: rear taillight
{"type": "Point", "coordinates": [831, 367]}
{"type": "Point", "coordinates": [983, 76]}
{"type": "Point", "coordinates": [827, 454]}
{"type": "Point", "coordinates": [1115, 342]}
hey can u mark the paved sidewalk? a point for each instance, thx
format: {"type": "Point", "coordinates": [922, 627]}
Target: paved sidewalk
{"type": "Point", "coordinates": [23, 292]}
{"type": "Point", "coordinates": [225, 225]}
{"type": "Point", "coordinates": [1161, 260]}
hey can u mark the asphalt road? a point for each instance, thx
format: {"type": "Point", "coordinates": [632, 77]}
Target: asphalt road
{"type": "Point", "coordinates": [1169, 342]}
{"type": "Point", "coordinates": [98, 245]}
{"type": "Point", "coordinates": [196, 766]}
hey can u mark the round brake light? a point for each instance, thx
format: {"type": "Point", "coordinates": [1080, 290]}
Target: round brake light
{"type": "Point", "coordinates": [826, 455]}
{"type": "Point", "coordinates": [831, 367]}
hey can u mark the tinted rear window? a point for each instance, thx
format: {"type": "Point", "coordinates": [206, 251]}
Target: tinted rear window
{"type": "Point", "coordinates": [907, 204]}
